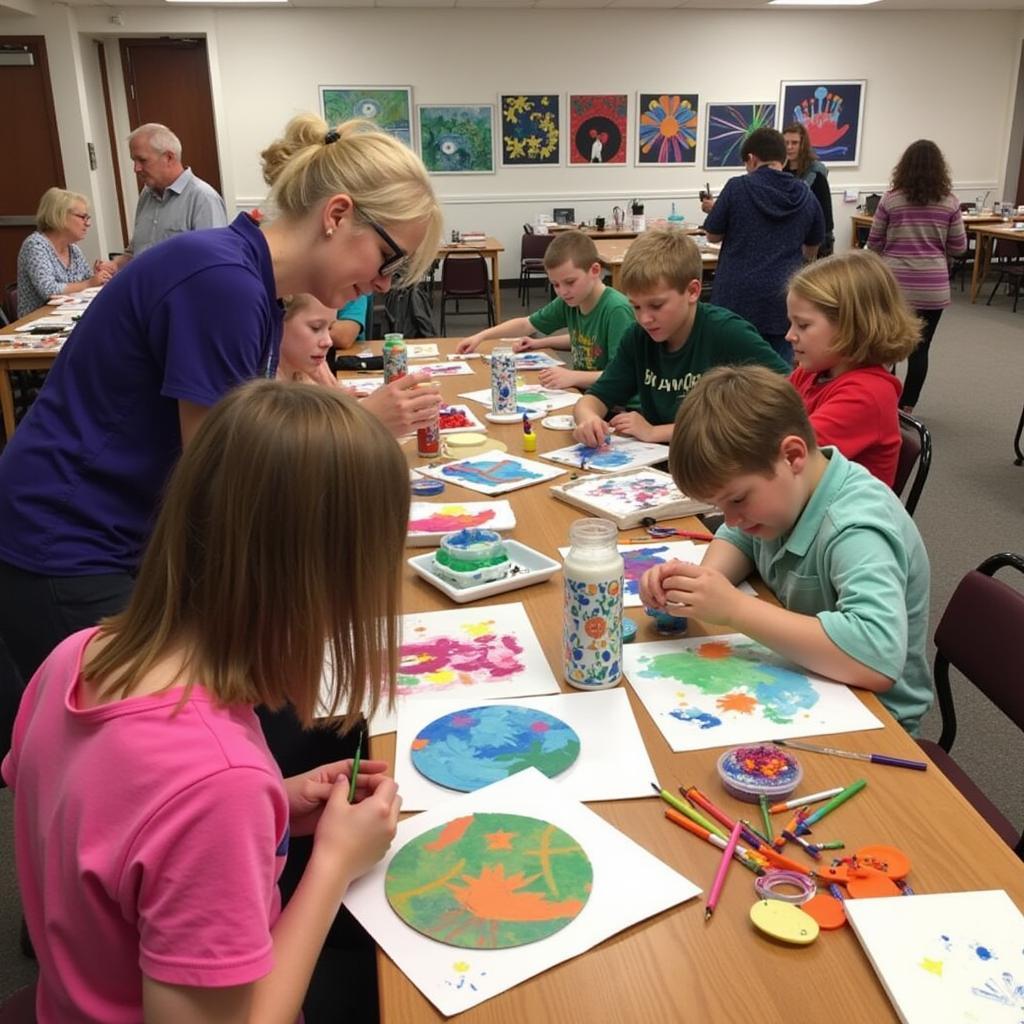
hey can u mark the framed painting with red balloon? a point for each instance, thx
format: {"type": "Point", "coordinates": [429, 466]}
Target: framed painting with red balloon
{"type": "Point", "coordinates": [597, 130]}
{"type": "Point", "coordinates": [832, 112]}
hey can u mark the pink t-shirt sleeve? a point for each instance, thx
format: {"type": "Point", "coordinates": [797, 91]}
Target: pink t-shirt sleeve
{"type": "Point", "coordinates": [202, 877]}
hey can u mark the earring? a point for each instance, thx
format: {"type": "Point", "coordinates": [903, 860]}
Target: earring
{"type": "Point", "coordinates": [329, 232]}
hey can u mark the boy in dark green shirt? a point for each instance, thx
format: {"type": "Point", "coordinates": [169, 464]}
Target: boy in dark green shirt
{"type": "Point", "coordinates": [675, 340]}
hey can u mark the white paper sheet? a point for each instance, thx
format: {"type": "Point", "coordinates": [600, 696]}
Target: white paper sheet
{"type": "Point", "coordinates": [530, 398]}
{"type": "Point", "coordinates": [429, 521]}
{"type": "Point", "coordinates": [616, 456]}
{"type": "Point", "coordinates": [421, 350]}
{"type": "Point", "coordinates": [719, 691]}
{"type": "Point", "coordinates": [954, 958]}
{"type": "Point", "coordinates": [492, 472]}
{"type": "Point", "coordinates": [629, 885]}
{"type": "Point", "coordinates": [612, 765]}
{"type": "Point", "coordinates": [361, 386]}
{"type": "Point", "coordinates": [443, 369]}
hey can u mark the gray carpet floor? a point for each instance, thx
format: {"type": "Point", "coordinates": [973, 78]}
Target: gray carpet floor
{"type": "Point", "coordinates": [972, 507]}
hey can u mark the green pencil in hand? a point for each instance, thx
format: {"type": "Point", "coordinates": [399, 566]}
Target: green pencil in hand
{"type": "Point", "coordinates": [355, 771]}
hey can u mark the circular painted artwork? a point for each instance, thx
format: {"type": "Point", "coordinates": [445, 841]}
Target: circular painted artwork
{"type": "Point", "coordinates": [477, 746]}
{"type": "Point", "coordinates": [489, 881]}
{"type": "Point", "coordinates": [598, 139]}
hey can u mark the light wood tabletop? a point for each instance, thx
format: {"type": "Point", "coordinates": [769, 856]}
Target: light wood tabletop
{"type": "Point", "coordinates": [985, 236]}
{"type": "Point", "coordinates": [490, 249]}
{"type": "Point", "coordinates": [14, 358]}
{"type": "Point", "coordinates": [674, 967]}
{"type": "Point", "coordinates": [611, 253]}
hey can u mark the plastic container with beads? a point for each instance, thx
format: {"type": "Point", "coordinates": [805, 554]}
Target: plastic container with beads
{"type": "Point", "coordinates": [748, 772]}
{"type": "Point", "coordinates": [472, 556]}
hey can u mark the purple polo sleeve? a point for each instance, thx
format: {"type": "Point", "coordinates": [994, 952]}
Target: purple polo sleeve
{"type": "Point", "coordinates": [219, 331]}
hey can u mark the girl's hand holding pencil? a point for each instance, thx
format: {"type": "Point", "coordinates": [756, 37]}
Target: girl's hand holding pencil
{"type": "Point", "coordinates": [308, 793]}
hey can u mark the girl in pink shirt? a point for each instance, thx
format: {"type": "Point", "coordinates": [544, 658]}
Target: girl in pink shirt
{"type": "Point", "coordinates": [848, 322]}
{"type": "Point", "coordinates": [151, 822]}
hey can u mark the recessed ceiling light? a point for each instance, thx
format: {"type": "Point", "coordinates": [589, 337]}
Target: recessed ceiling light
{"type": "Point", "coordinates": [217, 3]}
{"type": "Point", "coordinates": [821, 3]}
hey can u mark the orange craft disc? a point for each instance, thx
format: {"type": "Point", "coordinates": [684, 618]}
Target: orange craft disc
{"type": "Point", "coordinates": [887, 859]}
{"type": "Point", "coordinates": [833, 873]}
{"type": "Point", "coordinates": [826, 910]}
{"type": "Point", "coordinates": [874, 883]}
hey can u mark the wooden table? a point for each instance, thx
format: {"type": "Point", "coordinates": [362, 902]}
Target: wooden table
{"type": "Point", "coordinates": [862, 222]}
{"type": "Point", "coordinates": [674, 967]}
{"type": "Point", "coordinates": [985, 235]}
{"type": "Point", "coordinates": [14, 359]}
{"type": "Point", "coordinates": [489, 250]}
{"type": "Point", "coordinates": [611, 253]}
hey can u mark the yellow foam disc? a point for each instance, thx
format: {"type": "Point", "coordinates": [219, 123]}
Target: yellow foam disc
{"type": "Point", "coordinates": [784, 922]}
{"type": "Point", "coordinates": [465, 440]}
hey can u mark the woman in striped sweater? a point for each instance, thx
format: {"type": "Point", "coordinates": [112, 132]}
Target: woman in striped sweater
{"type": "Point", "coordinates": [918, 229]}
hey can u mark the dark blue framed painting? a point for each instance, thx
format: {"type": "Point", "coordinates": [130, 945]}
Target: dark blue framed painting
{"type": "Point", "coordinates": [728, 125]}
{"type": "Point", "coordinates": [530, 130]}
{"type": "Point", "coordinates": [832, 113]}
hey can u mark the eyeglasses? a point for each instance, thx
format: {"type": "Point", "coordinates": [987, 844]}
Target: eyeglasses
{"type": "Point", "coordinates": [394, 263]}
{"type": "Point", "coordinates": [85, 218]}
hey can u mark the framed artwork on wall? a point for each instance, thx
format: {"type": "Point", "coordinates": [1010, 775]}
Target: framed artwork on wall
{"type": "Point", "coordinates": [457, 138]}
{"type": "Point", "coordinates": [727, 125]}
{"type": "Point", "coordinates": [389, 106]}
{"type": "Point", "coordinates": [531, 129]}
{"type": "Point", "coordinates": [666, 134]}
{"type": "Point", "coordinates": [832, 112]}
{"type": "Point", "coordinates": [597, 129]}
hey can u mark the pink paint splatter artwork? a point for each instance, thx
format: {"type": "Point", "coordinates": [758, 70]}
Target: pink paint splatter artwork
{"type": "Point", "coordinates": [450, 519]}
{"type": "Point", "coordinates": [438, 663]}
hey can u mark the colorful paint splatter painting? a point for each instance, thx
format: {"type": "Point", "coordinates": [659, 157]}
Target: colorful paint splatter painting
{"type": "Point", "coordinates": [429, 521]}
{"type": "Point", "coordinates": [667, 132]}
{"type": "Point", "coordinates": [955, 957]}
{"type": "Point", "coordinates": [728, 690]}
{"type": "Point", "coordinates": [728, 125]}
{"type": "Point", "coordinates": [474, 747]}
{"type": "Point", "coordinates": [492, 473]}
{"type": "Point", "coordinates": [490, 881]}
{"type": "Point", "coordinates": [619, 453]}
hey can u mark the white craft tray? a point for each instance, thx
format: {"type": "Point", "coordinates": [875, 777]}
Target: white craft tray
{"type": "Point", "coordinates": [533, 568]}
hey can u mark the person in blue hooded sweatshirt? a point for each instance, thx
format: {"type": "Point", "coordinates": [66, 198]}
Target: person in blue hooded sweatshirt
{"type": "Point", "coordinates": [768, 223]}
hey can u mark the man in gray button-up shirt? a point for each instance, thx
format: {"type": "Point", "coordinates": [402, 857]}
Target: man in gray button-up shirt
{"type": "Point", "coordinates": [173, 198]}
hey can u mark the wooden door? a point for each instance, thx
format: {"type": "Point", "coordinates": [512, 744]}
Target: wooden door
{"type": "Point", "coordinates": [168, 81]}
{"type": "Point", "coordinates": [33, 160]}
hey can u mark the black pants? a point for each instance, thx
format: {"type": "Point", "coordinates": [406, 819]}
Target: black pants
{"type": "Point", "coordinates": [917, 362]}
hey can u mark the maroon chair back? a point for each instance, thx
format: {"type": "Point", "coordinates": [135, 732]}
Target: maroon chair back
{"type": "Point", "coordinates": [915, 453]}
{"type": "Point", "coordinates": [980, 634]}
{"type": "Point", "coordinates": [464, 274]}
{"type": "Point", "coordinates": [10, 302]}
{"type": "Point", "coordinates": [535, 246]}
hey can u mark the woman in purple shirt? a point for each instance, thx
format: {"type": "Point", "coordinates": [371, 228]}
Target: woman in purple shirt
{"type": "Point", "coordinates": [918, 229]}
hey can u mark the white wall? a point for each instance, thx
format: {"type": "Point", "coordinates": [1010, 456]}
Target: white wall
{"type": "Point", "coordinates": [949, 76]}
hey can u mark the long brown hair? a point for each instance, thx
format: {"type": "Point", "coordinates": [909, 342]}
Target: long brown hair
{"type": "Point", "coordinates": [805, 155]}
{"type": "Point", "coordinates": [281, 531]}
{"type": "Point", "coordinates": [922, 173]}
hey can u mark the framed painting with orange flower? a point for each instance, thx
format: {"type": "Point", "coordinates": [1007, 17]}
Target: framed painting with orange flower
{"type": "Point", "coordinates": [666, 133]}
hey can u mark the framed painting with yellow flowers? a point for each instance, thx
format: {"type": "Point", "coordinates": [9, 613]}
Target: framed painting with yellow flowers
{"type": "Point", "coordinates": [531, 129]}
{"type": "Point", "coordinates": [666, 130]}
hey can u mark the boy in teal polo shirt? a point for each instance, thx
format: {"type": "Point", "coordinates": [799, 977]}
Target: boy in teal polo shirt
{"type": "Point", "coordinates": [595, 316]}
{"type": "Point", "coordinates": [831, 541]}
{"type": "Point", "coordinates": [676, 339]}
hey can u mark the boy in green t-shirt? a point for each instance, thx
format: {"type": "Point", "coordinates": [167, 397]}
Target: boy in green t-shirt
{"type": "Point", "coordinates": [676, 339]}
{"type": "Point", "coordinates": [831, 542]}
{"type": "Point", "coordinates": [595, 315]}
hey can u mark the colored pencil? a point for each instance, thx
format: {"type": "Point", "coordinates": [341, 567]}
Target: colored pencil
{"type": "Point", "coordinates": [895, 762]}
{"type": "Point", "coordinates": [686, 534]}
{"type": "Point", "coordinates": [799, 801]}
{"type": "Point", "coordinates": [695, 796]}
{"type": "Point", "coordinates": [709, 837]}
{"type": "Point", "coordinates": [355, 770]}
{"type": "Point", "coordinates": [766, 817]}
{"type": "Point", "coordinates": [688, 810]}
{"type": "Point", "coordinates": [791, 826]}
{"type": "Point", "coordinates": [723, 870]}
{"type": "Point", "coordinates": [840, 798]}
{"type": "Point", "coordinates": [801, 842]}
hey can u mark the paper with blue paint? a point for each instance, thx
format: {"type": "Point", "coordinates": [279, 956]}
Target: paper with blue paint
{"type": "Point", "coordinates": [723, 691]}
{"type": "Point", "coordinates": [492, 472]}
{"type": "Point", "coordinates": [616, 455]}
{"type": "Point", "coordinates": [954, 957]}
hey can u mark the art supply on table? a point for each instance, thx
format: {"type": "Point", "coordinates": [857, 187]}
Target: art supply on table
{"type": "Point", "coordinates": [807, 847]}
{"type": "Point", "coordinates": [661, 532]}
{"type": "Point", "coordinates": [490, 472]}
{"type": "Point", "coordinates": [592, 606]}
{"type": "Point", "coordinates": [355, 768]}
{"type": "Point", "coordinates": [723, 870]}
{"type": "Point", "coordinates": [628, 630]}
{"type": "Point", "coordinates": [426, 488]}
{"type": "Point", "coordinates": [428, 439]}
{"type": "Point", "coordinates": [529, 437]}
{"type": "Point", "coordinates": [690, 811]}
{"type": "Point", "coordinates": [870, 884]}
{"type": "Point", "coordinates": [698, 799]}
{"type": "Point", "coordinates": [472, 556]}
{"type": "Point", "coordinates": [835, 844]}
{"type": "Point", "coordinates": [713, 838]}
{"type": "Point", "coordinates": [558, 423]}
{"type": "Point", "coordinates": [894, 762]}
{"type": "Point", "coordinates": [666, 623]}
{"type": "Point", "coordinates": [889, 860]}
{"type": "Point", "coordinates": [748, 827]}
{"type": "Point", "coordinates": [784, 922]}
{"type": "Point", "coordinates": [791, 826]}
{"type": "Point", "coordinates": [787, 886]}
{"type": "Point", "coordinates": [503, 381]}
{"type": "Point", "coordinates": [826, 910]}
{"type": "Point", "coordinates": [766, 817]}
{"type": "Point", "coordinates": [799, 801]}
{"type": "Point", "coordinates": [585, 453]}
{"type": "Point", "coordinates": [429, 521]}
{"type": "Point", "coordinates": [839, 798]}
{"type": "Point", "coordinates": [747, 772]}
{"type": "Point", "coordinates": [396, 357]}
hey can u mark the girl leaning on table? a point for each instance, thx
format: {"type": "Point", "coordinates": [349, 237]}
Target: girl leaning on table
{"type": "Point", "coordinates": [137, 748]}
{"type": "Point", "coordinates": [50, 261]}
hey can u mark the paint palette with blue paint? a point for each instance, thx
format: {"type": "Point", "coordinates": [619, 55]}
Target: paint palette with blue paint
{"type": "Point", "coordinates": [476, 746]}
{"type": "Point", "coordinates": [615, 455]}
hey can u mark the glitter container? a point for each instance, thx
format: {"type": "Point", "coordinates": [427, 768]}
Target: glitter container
{"type": "Point", "coordinates": [472, 556]}
{"type": "Point", "coordinates": [748, 772]}
{"type": "Point", "coordinates": [667, 624]}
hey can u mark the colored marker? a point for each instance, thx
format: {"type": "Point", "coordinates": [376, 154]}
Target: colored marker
{"type": "Point", "coordinates": [895, 762]}
{"type": "Point", "coordinates": [355, 770]}
{"type": "Point", "coordinates": [695, 796]}
{"type": "Point", "coordinates": [710, 837]}
{"type": "Point", "coordinates": [837, 892]}
{"type": "Point", "coordinates": [807, 847]}
{"type": "Point", "coordinates": [836, 844]}
{"type": "Point", "coordinates": [766, 817]}
{"type": "Point", "coordinates": [840, 798]}
{"type": "Point", "coordinates": [687, 534]}
{"type": "Point", "coordinates": [748, 827]}
{"type": "Point", "coordinates": [687, 809]}
{"type": "Point", "coordinates": [799, 801]}
{"type": "Point", "coordinates": [791, 826]}
{"type": "Point", "coordinates": [723, 870]}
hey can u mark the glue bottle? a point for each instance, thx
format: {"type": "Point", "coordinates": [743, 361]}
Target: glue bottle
{"type": "Point", "coordinates": [529, 437]}
{"type": "Point", "coordinates": [592, 612]}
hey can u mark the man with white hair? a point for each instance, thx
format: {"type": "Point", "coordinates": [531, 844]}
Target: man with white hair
{"type": "Point", "coordinates": [173, 199]}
